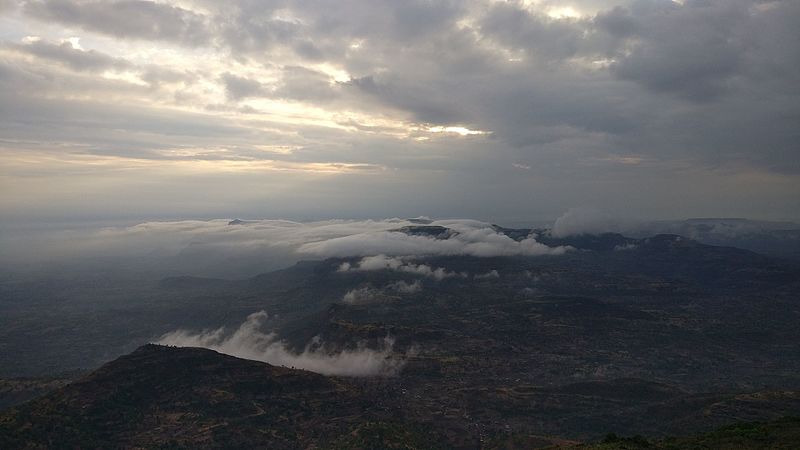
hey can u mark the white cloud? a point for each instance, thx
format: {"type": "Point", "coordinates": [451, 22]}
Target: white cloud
{"type": "Point", "coordinates": [363, 295]}
{"type": "Point", "coordinates": [369, 294]}
{"type": "Point", "coordinates": [490, 274]}
{"type": "Point", "coordinates": [216, 248]}
{"type": "Point", "coordinates": [249, 342]}
{"type": "Point", "coordinates": [472, 238]}
{"type": "Point", "coordinates": [383, 262]}
{"type": "Point", "coordinates": [583, 221]}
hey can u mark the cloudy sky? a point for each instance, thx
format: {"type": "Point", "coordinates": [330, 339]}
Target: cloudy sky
{"type": "Point", "coordinates": [498, 110]}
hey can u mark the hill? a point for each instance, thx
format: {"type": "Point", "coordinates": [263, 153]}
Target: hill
{"type": "Point", "coordinates": [167, 397]}
{"type": "Point", "coordinates": [782, 434]}
{"type": "Point", "coordinates": [164, 397]}
{"type": "Point", "coordinates": [657, 336]}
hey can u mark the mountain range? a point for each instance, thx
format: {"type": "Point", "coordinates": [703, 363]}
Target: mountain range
{"type": "Point", "coordinates": [658, 336]}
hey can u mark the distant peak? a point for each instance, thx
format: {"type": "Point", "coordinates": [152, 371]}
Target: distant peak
{"type": "Point", "coordinates": [717, 219]}
{"type": "Point", "coordinates": [434, 231]}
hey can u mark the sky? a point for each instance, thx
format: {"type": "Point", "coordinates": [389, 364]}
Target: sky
{"type": "Point", "coordinates": [504, 111]}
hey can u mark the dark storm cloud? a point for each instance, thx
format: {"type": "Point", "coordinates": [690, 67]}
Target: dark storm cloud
{"type": "Point", "coordinates": [156, 75]}
{"type": "Point", "coordinates": [428, 102]}
{"type": "Point", "coordinates": [300, 83]}
{"type": "Point", "coordinates": [296, 83]}
{"type": "Point", "coordinates": [404, 23]}
{"type": "Point", "coordinates": [137, 132]}
{"type": "Point", "coordinates": [7, 5]}
{"type": "Point", "coordinates": [692, 49]}
{"type": "Point", "coordinates": [616, 99]}
{"type": "Point", "coordinates": [238, 87]}
{"type": "Point", "coordinates": [137, 19]}
{"type": "Point", "coordinates": [420, 61]}
{"type": "Point", "coordinates": [77, 59]}
{"type": "Point", "coordinates": [703, 48]}
{"type": "Point", "coordinates": [541, 36]}
{"type": "Point", "coordinates": [253, 33]}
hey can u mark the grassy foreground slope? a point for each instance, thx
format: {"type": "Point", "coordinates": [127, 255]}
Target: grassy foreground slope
{"type": "Point", "coordinates": [164, 397]}
{"type": "Point", "coordinates": [774, 435]}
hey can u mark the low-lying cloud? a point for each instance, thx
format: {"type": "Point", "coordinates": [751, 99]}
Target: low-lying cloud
{"type": "Point", "coordinates": [383, 262]}
{"type": "Point", "coordinates": [250, 342]}
{"type": "Point", "coordinates": [222, 248]}
{"type": "Point", "coordinates": [470, 238]}
{"type": "Point", "coordinates": [363, 295]}
{"type": "Point", "coordinates": [488, 275]}
{"type": "Point", "coordinates": [584, 221]}
{"type": "Point", "coordinates": [392, 291]}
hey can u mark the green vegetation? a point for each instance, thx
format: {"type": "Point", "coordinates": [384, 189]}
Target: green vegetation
{"type": "Point", "coordinates": [782, 434]}
{"type": "Point", "coordinates": [668, 339]}
{"type": "Point", "coordinates": [389, 435]}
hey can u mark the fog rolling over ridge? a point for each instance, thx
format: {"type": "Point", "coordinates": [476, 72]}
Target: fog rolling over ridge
{"type": "Point", "coordinates": [238, 249]}
{"type": "Point", "coordinates": [653, 336]}
{"type": "Point", "coordinates": [241, 248]}
{"type": "Point", "coordinates": [250, 342]}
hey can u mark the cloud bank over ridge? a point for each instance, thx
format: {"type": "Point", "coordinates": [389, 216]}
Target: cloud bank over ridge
{"type": "Point", "coordinates": [383, 262]}
{"type": "Point", "coordinates": [246, 248]}
{"type": "Point", "coordinates": [472, 238]}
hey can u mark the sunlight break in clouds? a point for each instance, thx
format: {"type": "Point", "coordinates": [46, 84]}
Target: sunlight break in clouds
{"type": "Point", "coordinates": [503, 110]}
{"type": "Point", "coordinates": [457, 130]}
{"type": "Point", "coordinates": [249, 342]}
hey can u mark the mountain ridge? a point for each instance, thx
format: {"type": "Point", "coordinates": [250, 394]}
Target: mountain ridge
{"type": "Point", "coordinates": [184, 397]}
